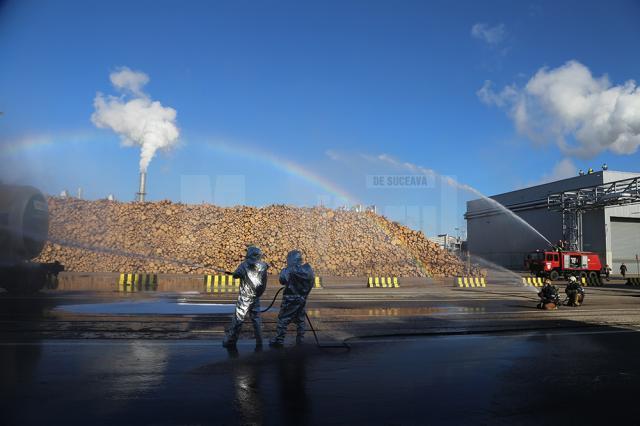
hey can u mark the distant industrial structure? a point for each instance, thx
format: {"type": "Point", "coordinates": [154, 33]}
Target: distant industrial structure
{"type": "Point", "coordinates": [142, 188]}
{"type": "Point", "coordinates": [452, 243]}
{"type": "Point", "coordinates": [597, 211]}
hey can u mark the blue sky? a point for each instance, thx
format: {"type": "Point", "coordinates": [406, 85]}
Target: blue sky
{"type": "Point", "coordinates": [324, 86]}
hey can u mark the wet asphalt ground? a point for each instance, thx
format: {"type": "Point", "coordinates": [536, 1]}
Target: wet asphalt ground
{"type": "Point", "coordinates": [423, 355]}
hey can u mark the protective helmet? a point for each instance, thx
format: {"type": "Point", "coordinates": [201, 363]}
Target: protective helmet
{"type": "Point", "coordinates": [254, 254]}
{"type": "Point", "coordinates": [573, 279]}
{"type": "Point", "coordinates": [294, 258]}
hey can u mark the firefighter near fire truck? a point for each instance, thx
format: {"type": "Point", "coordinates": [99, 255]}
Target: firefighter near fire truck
{"type": "Point", "coordinates": [574, 292]}
{"type": "Point", "coordinates": [549, 298]}
{"type": "Point", "coordinates": [559, 264]}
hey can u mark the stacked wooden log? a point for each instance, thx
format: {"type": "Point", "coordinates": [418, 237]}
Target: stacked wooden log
{"type": "Point", "coordinates": [166, 237]}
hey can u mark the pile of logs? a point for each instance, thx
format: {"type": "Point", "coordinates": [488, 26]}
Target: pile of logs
{"type": "Point", "coordinates": [165, 237]}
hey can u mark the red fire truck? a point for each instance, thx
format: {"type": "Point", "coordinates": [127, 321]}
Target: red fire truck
{"type": "Point", "coordinates": [560, 263]}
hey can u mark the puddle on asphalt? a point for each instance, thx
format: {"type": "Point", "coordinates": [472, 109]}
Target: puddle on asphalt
{"type": "Point", "coordinates": [193, 306]}
{"type": "Point", "coordinates": [157, 307]}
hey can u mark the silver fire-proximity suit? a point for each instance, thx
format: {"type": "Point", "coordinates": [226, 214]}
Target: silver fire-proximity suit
{"type": "Point", "coordinates": [298, 281]}
{"type": "Point", "coordinates": [253, 281]}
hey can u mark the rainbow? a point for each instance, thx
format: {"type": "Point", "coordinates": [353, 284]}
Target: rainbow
{"type": "Point", "coordinates": [28, 142]}
{"type": "Point", "coordinates": [295, 170]}
{"type": "Point", "coordinates": [31, 142]}
{"type": "Point", "coordinates": [287, 166]}
{"type": "Point", "coordinates": [12, 146]}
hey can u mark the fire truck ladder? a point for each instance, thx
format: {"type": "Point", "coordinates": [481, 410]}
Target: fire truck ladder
{"type": "Point", "coordinates": [575, 202]}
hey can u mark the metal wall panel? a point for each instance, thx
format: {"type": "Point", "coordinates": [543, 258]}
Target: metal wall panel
{"type": "Point", "coordinates": [625, 244]}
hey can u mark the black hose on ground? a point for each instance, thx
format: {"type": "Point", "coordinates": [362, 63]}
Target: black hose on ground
{"type": "Point", "coordinates": [342, 345]}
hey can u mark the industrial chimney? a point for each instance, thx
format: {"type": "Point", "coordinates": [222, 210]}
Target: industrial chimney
{"type": "Point", "coordinates": [143, 183]}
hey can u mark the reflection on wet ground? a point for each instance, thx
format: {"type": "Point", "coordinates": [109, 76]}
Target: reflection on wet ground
{"type": "Point", "coordinates": [173, 306]}
{"type": "Point", "coordinates": [66, 357]}
{"type": "Point", "coordinates": [193, 316]}
{"type": "Point", "coordinates": [163, 306]}
{"type": "Point", "coordinates": [442, 380]}
{"type": "Point", "coordinates": [392, 312]}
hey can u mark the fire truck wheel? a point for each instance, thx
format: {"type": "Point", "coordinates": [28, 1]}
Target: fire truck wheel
{"type": "Point", "coordinates": [554, 275]}
{"type": "Point", "coordinates": [594, 278]}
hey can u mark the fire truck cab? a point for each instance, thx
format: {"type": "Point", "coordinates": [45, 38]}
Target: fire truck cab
{"type": "Point", "coordinates": [560, 263]}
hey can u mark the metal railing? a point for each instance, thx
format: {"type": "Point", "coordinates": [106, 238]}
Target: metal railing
{"type": "Point", "coordinates": [621, 192]}
{"type": "Point", "coordinates": [575, 202]}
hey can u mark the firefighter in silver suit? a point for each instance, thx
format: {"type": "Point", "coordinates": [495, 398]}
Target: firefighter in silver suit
{"type": "Point", "coordinates": [298, 279]}
{"type": "Point", "coordinates": [252, 273]}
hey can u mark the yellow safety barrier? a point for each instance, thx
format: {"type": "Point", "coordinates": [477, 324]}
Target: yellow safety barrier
{"type": "Point", "coordinates": [318, 282]}
{"type": "Point", "coordinates": [633, 281]}
{"type": "Point", "coordinates": [591, 282]}
{"type": "Point", "coordinates": [533, 281]}
{"type": "Point", "coordinates": [137, 282]}
{"type": "Point", "coordinates": [384, 282]}
{"type": "Point", "coordinates": [384, 312]}
{"type": "Point", "coordinates": [221, 284]}
{"type": "Point", "coordinates": [466, 282]}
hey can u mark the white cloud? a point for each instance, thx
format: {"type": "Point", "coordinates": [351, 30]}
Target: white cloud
{"type": "Point", "coordinates": [124, 79]}
{"type": "Point", "coordinates": [489, 97]}
{"type": "Point", "coordinates": [490, 35]}
{"type": "Point", "coordinates": [561, 170]}
{"type": "Point", "coordinates": [139, 120]}
{"type": "Point", "coordinates": [583, 115]}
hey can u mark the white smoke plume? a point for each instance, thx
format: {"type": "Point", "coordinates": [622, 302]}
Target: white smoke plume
{"type": "Point", "coordinates": [125, 79]}
{"type": "Point", "coordinates": [583, 115]}
{"type": "Point", "coordinates": [138, 120]}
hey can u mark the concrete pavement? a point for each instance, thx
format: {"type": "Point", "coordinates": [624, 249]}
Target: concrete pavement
{"type": "Point", "coordinates": [422, 355]}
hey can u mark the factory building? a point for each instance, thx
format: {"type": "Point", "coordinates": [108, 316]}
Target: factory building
{"type": "Point", "coordinates": [612, 230]}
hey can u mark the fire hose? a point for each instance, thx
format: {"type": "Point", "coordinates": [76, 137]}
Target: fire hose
{"type": "Point", "coordinates": [342, 345]}
{"type": "Point", "coordinates": [219, 270]}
